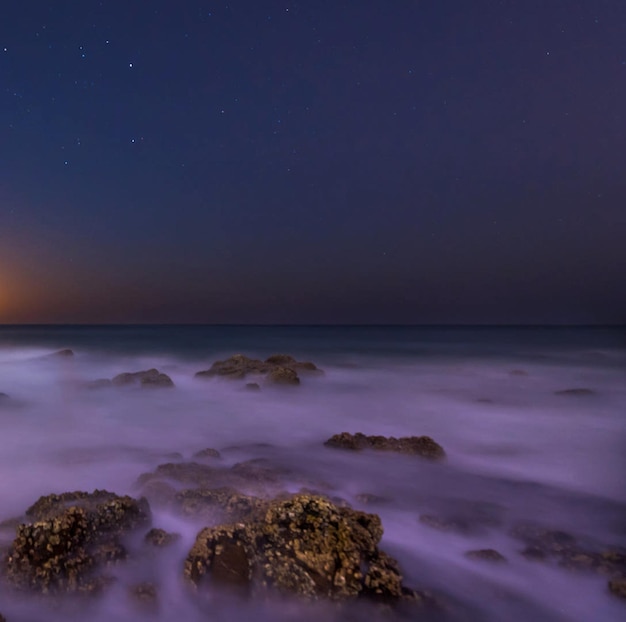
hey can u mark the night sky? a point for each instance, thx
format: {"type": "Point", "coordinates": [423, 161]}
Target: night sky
{"type": "Point", "coordinates": [425, 161]}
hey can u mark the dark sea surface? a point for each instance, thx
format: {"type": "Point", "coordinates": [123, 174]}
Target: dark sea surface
{"type": "Point", "coordinates": [517, 451]}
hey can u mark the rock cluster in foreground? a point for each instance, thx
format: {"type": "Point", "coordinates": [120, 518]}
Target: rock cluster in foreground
{"type": "Point", "coordinates": [150, 378]}
{"type": "Point", "coordinates": [304, 545]}
{"type": "Point", "coordinates": [70, 538]}
{"type": "Point", "coordinates": [279, 369]}
{"type": "Point", "coordinates": [423, 446]}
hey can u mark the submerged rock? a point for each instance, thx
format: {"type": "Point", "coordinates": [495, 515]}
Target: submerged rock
{"type": "Point", "coordinates": [279, 369]}
{"type": "Point", "coordinates": [160, 538]}
{"type": "Point", "coordinates": [100, 383]}
{"type": "Point", "coordinates": [488, 555]}
{"type": "Point", "coordinates": [304, 545]}
{"type": "Point", "coordinates": [3, 396]}
{"type": "Point", "coordinates": [149, 378]}
{"type": "Point", "coordinates": [576, 392]}
{"type": "Point", "coordinates": [423, 446]}
{"type": "Point", "coordinates": [209, 452]}
{"type": "Point", "coordinates": [70, 538]}
{"type": "Point", "coordinates": [618, 587]}
{"type": "Point", "coordinates": [65, 353]}
{"type": "Point", "coordinates": [253, 386]}
{"type": "Point", "coordinates": [145, 595]}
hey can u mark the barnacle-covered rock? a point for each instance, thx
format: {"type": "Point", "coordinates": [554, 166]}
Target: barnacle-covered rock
{"type": "Point", "coordinates": [69, 538]}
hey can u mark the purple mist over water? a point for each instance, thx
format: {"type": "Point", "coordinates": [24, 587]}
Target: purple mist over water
{"type": "Point", "coordinates": [514, 448]}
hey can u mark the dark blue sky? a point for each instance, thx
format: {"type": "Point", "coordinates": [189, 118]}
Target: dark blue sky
{"type": "Point", "coordinates": [408, 161]}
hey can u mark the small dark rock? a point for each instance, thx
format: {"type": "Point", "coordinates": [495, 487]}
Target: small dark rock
{"type": "Point", "coordinates": [518, 372]}
{"type": "Point", "coordinates": [63, 353]}
{"type": "Point", "coordinates": [253, 386]}
{"type": "Point", "coordinates": [160, 538]}
{"type": "Point", "coordinates": [576, 392]}
{"type": "Point", "coordinates": [3, 396]}
{"type": "Point", "coordinates": [618, 587]}
{"type": "Point", "coordinates": [445, 524]}
{"type": "Point", "coordinates": [488, 555]}
{"type": "Point", "coordinates": [207, 453]}
{"type": "Point", "coordinates": [423, 446]}
{"type": "Point", "coordinates": [369, 498]}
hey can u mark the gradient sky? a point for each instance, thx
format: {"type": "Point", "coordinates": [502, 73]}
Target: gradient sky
{"type": "Point", "coordinates": [301, 162]}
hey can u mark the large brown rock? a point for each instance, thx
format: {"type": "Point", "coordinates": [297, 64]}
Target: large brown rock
{"type": "Point", "coordinates": [303, 545]}
{"type": "Point", "coordinates": [423, 446]}
{"type": "Point", "coordinates": [69, 539]}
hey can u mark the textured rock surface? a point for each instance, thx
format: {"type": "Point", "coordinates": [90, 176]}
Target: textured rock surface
{"type": "Point", "coordinates": [418, 445]}
{"type": "Point", "coordinates": [70, 538]}
{"type": "Point", "coordinates": [209, 452]}
{"type": "Point", "coordinates": [303, 545]}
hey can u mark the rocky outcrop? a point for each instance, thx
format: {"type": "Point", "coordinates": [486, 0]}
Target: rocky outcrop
{"type": "Point", "coordinates": [417, 445]}
{"type": "Point", "coordinates": [151, 378]}
{"type": "Point", "coordinates": [304, 545]}
{"type": "Point", "coordinates": [280, 369]}
{"type": "Point", "coordinates": [69, 538]}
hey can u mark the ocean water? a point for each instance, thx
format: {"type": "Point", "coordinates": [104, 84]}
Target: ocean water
{"type": "Point", "coordinates": [517, 452]}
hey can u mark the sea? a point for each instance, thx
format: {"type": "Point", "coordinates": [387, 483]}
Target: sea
{"type": "Point", "coordinates": [521, 449]}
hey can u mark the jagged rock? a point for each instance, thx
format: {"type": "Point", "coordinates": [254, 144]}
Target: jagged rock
{"type": "Point", "coordinates": [576, 392]}
{"type": "Point", "coordinates": [488, 555]}
{"type": "Point", "coordinates": [419, 445]}
{"type": "Point", "coordinates": [207, 453]}
{"type": "Point", "coordinates": [278, 369]}
{"type": "Point", "coordinates": [149, 378]}
{"type": "Point", "coordinates": [70, 538]}
{"type": "Point", "coordinates": [618, 587]}
{"type": "Point", "coordinates": [160, 538]}
{"type": "Point", "coordinates": [304, 545]}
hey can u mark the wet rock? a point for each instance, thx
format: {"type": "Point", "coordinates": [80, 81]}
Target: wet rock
{"type": "Point", "coordinates": [618, 587]}
{"type": "Point", "coordinates": [548, 541]}
{"type": "Point", "coordinates": [235, 367]}
{"type": "Point", "coordinates": [576, 392]}
{"type": "Point", "coordinates": [151, 378]}
{"type": "Point", "coordinates": [418, 445]}
{"type": "Point", "coordinates": [70, 538]}
{"type": "Point", "coordinates": [209, 452]}
{"type": "Point", "coordinates": [158, 492]}
{"type": "Point", "coordinates": [253, 386]}
{"type": "Point", "coordinates": [304, 545]}
{"type": "Point", "coordinates": [160, 538]}
{"type": "Point", "coordinates": [285, 360]}
{"type": "Point", "coordinates": [488, 555]}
